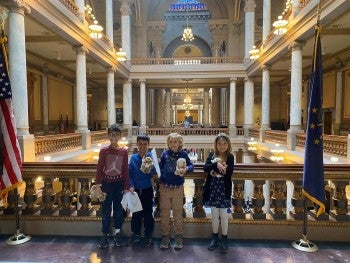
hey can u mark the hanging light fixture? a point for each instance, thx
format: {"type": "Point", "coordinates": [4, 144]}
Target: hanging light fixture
{"type": "Point", "coordinates": [280, 26]}
{"type": "Point", "coordinates": [187, 100]}
{"type": "Point", "coordinates": [277, 154]}
{"type": "Point", "coordinates": [187, 35]}
{"type": "Point", "coordinates": [254, 53]}
{"type": "Point", "coordinates": [95, 30]}
{"type": "Point", "coordinates": [121, 55]}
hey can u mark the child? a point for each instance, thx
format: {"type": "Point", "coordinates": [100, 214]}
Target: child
{"type": "Point", "coordinates": [141, 170]}
{"type": "Point", "coordinates": [113, 178]}
{"type": "Point", "coordinates": [218, 188]}
{"type": "Point", "coordinates": [172, 190]}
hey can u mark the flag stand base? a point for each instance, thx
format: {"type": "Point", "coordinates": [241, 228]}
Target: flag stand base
{"type": "Point", "coordinates": [18, 238]}
{"type": "Point", "coordinates": [304, 245]}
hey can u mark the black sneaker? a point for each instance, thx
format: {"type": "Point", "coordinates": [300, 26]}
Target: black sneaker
{"type": "Point", "coordinates": [134, 240]}
{"type": "Point", "coordinates": [104, 242]}
{"type": "Point", "coordinates": [147, 242]}
{"type": "Point", "coordinates": [118, 240]}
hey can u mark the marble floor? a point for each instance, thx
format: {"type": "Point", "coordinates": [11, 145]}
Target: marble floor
{"type": "Point", "coordinates": [85, 249]}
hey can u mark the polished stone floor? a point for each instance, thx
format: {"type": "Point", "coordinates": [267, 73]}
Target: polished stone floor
{"type": "Point", "coordinates": [85, 249]}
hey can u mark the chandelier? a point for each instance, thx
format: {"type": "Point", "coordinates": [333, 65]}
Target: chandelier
{"type": "Point", "coordinates": [187, 101]}
{"type": "Point", "coordinates": [121, 55]}
{"type": "Point", "coordinates": [94, 27]}
{"type": "Point", "coordinates": [280, 26]}
{"type": "Point", "coordinates": [252, 145]}
{"type": "Point", "coordinates": [95, 30]}
{"type": "Point", "coordinates": [254, 53]}
{"type": "Point", "coordinates": [187, 35]}
{"type": "Point", "coordinates": [277, 154]}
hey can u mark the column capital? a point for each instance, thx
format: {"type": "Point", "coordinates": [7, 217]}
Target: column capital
{"type": "Point", "coordinates": [18, 6]}
{"type": "Point", "coordinates": [142, 80]}
{"type": "Point", "coordinates": [111, 69]}
{"type": "Point", "coordinates": [297, 45]}
{"type": "Point", "coordinates": [125, 7]}
{"type": "Point", "coordinates": [265, 67]}
{"type": "Point", "coordinates": [206, 89]}
{"type": "Point", "coordinates": [233, 80]}
{"type": "Point", "coordinates": [80, 50]}
{"type": "Point", "coordinates": [127, 82]}
{"type": "Point", "coordinates": [249, 6]}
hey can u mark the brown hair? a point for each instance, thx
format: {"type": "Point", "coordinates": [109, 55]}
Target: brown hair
{"type": "Point", "coordinates": [222, 136]}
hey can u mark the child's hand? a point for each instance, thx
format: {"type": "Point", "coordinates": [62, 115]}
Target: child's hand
{"type": "Point", "coordinates": [221, 168]}
{"type": "Point", "coordinates": [132, 189]}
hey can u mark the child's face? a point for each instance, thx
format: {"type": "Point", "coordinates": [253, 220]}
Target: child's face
{"type": "Point", "coordinates": [114, 137]}
{"type": "Point", "coordinates": [174, 145]}
{"type": "Point", "coordinates": [142, 145]}
{"type": "Point", "coordinates": [222, 146]}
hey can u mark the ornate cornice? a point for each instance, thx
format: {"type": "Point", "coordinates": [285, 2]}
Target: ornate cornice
{"type": "Point", "coordinates": [17, 4]}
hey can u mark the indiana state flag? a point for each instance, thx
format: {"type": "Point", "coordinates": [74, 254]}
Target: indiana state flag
{"type": "Point", "coordinates": [313, 174]}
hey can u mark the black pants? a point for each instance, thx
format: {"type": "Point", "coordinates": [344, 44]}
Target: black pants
{"type": "Point", "coordinates": [146, 197]}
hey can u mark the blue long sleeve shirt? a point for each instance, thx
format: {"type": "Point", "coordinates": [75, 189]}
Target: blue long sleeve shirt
{"type": "Point", "coordinates": [168, 164]}
{"type": "Point", "coordinates": [138, 179]}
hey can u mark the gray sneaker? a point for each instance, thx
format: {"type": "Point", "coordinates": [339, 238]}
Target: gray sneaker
{"type": "Point", "coordinates": [164, 243]}
{"type": "Point", "coordinates": [178, 244]}
{"type": "Point", "coordinates": [134, 240]}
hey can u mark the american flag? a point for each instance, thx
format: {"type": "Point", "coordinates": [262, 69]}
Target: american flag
{"type": "Point", "coordinates": [10, 154]}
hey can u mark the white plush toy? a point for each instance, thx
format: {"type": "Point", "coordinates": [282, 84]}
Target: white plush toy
{"type": "Point", "coordinates": [146, 165]}
{"type": "Point", "coordinates": [181, 167]}
{"type": "Point", "coordinates": [217, 160]}
{"type": "Point", "coordinates": [96, 193]}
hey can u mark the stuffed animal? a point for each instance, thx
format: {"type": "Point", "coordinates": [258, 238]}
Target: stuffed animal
{"type": "Point", "coordinates": [96, 193]}
{"type": "Point", "coordinates": [146, 165]}
{"type": "Point", "coordinates": [181, 167]}
{"type": "Point", "coordinates": [217, 160]}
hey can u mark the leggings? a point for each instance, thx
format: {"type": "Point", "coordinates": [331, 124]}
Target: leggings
{"type": "Point", "coordinates": [219, 214]}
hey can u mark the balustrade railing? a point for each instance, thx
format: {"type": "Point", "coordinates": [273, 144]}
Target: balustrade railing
{"type": "Point", "coordinates": [187, 61]}
{"type": "Point", "coordinates": [186, 131]}
{"type": "Point", "coordinates": [276, 137]}
{"type": "Point", "coordinates": [64, 192]}
{"type": "Point", "coordinates": [98, 136]}
{"type": "Point", "coordinates": [56, 143]}
{"type": "Point", "coordinates": [71, 6]}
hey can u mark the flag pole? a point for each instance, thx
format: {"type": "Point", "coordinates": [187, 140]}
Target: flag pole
{"type": "Point", "coordinates": [19, 237]}
{"type": "Point", "coordinates": [304, 244]}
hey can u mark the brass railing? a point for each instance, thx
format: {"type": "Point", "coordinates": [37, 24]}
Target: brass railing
{"type": "Point", "coordinates": [186, 131]}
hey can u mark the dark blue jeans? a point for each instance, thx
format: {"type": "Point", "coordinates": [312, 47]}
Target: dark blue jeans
{"type": "Point", "coordinates": [114, 196]}
{"type": "Point", "coordinates": [146, 197]}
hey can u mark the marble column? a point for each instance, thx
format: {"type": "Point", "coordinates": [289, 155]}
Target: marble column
{"type": "Point", "coordinates": [126, 12]}
{"type": "Point", "coordinates": [143, 109]}
{"type": "Point", "coordinates": [111, 114]}
{"type": "Point", "coordinates": [223, 103]}
{"type": "Point", "coordinates": [215, 107]}
{"type": "Point", "coordinates": [295, 94]}
{"type": "Point", "coordinates": [265, 102]}
{"type": "Point", "coordinates": [81, 96]}
{"type": "Point", "coordinates": [232, 122]}
{"type": "Point", "coordinates": [295, 8]}
{"type": "Point", "coordinates": [81, 9]}
{"type": "Point", "coordinates": [206, 108]}
{"type": "Point", "coordinates": [249, 24]}
{"type": "Point", "coordinates": [44, 101]}
{"type": "Point", "coordinates": [127, 106]}
{"type": "Point", "coordinates": [18, 76]}
{"type": "Point", "coordinates": [248, 106]}
{"type": "Point", "coordinates": [266, 19]}
{"type": "Point", "coordinates": [109, 21]}
{"type": "Point", "coordinates": [151, 110]}
{"type": "Point", "coordinates": [158, 108]}
{"type": "Point", "coordinates": [167, 116]}
{"type": "Point", "coordinates": [305, 103]}
{"type": "Point", "coordinates": [338, 101]}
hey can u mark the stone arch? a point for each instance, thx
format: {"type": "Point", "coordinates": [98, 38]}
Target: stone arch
{"type": "Point", "coordinates": [198, 42]}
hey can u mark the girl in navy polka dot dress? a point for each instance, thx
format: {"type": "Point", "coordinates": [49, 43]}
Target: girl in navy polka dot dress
{"type": "Point", "coordinates": [218, 188]}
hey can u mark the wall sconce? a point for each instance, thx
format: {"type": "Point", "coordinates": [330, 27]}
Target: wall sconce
{"type": "Point", "coordinates": [277, 154]}
{"type": "Point", "coordinates": [254, 53]}
{"type": "Point", "coordinates": [252, 145]}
